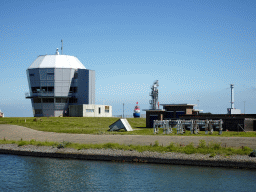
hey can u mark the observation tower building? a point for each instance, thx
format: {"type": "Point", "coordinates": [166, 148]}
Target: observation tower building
{"type": "Point", "coordinates": [57, 82]}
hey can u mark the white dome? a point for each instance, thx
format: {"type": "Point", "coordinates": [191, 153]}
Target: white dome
{"type": "Point", "coordinates": [57, 61]}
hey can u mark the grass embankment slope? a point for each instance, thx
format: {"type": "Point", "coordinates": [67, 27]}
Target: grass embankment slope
{"type": "Point", "coordinates": [98, 125]}
{"type": "Point", "coordinates": [212, 148]}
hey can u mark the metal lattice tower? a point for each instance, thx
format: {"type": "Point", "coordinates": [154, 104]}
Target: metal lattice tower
{"type": "Point", "coordinates": [232, 96]}
{"type": "Point", "coordinates": [154, 95]}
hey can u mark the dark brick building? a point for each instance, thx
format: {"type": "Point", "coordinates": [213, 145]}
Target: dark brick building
{"type": "Point", "coordinates": [235, 122]}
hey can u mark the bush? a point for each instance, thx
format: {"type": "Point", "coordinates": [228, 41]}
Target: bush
{"type": "Point", "coordinates": [202, 144]}
{"type": "Point", "coordinates": [171, 147]}
{"type": "Point", "coordinates": [189, 149]}
{"type": "Point", "coordinates": [156, 143]}
{"type": "Point", "coordinates": [21, 143]}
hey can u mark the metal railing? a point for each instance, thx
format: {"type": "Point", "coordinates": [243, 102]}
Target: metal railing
{"type": "Point", "coordinates": [193, 125]}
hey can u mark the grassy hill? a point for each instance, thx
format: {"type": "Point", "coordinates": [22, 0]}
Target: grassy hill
{"type": "Point", "coordinates": [98, 125]}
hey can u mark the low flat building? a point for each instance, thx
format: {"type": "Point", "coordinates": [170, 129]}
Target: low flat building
{"type": "Point", "coordinates": [90, 110]}
{"type": "Point", "coordinates": [235, 122]}
{"type": "Point", "coordinates": [169, 111]}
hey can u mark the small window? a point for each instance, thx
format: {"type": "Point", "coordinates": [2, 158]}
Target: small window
{"type": "Point", "coordinates": [58, 100]}
{"type": "Point", "coordinates": [63, 100]}
{"type": "Point", "coordinates": [50, 73]}
{"type": "Point", "coordinates": [50, 89]}
{"type": "Point", "coordinates": [89, 110]}
{"type": "Point", "coordinates": [99, 110]}
{"type": "Point", "coordinates": [72, 100]}
{"type": "Point", "coordinates": [37, 100]}
{"type": "Point", "coordinates": [36, 89]}
{"type": "Point", "coordinates": [38, 111]}
{"type": "Point", "coordinates": [106, 109]}
{"type": "Point", "coordinates": [31, 74]}
{"type": "Point", "coordinates": [48, 100]}
{"type": "Point", "coordinates": [73, 90]}
{"type": "Point", "coordinates": [76, 75]}
{"type": "Point", "coordinates": [44, 89]}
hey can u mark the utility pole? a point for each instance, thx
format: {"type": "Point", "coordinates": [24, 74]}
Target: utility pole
{"type": "Point", "coordinates": [123, 110]}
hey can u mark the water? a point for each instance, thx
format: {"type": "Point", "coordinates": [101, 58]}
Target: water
{"type": "Point", "coordinates": [20, 173]}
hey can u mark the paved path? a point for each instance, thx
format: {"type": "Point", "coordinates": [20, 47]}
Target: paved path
{"type": "Point", "coordinates": [14, 132]}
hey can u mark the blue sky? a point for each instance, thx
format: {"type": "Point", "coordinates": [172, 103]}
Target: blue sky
{"type": "Point", "coordinates": [196, 49]}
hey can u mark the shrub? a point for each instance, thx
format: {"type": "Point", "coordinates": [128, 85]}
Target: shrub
{"type": "Point", "coordinates": [171, 147]}
{"type": "Point", "coordinates": [202, 144]}
{"type": "Point", "coordinates": [156, 143]}
{"type": "Point", "coordinates": [21, 143]}
{"type": "Point", "coordinates": [189, 149]}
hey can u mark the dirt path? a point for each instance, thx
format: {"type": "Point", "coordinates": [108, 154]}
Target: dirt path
{"type": "Point", "coordinates": [14, 132]}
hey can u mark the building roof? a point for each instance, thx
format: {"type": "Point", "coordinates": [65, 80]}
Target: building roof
{"type": "Point", "coordinates": [184, 104]}
{"type": "Point", "coordinates": [57, 61]}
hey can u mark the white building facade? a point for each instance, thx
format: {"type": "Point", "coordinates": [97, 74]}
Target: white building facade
{"type": "Point", "coordinates": [90, 110]}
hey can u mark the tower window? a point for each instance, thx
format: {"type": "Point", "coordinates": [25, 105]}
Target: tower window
{"type": "Point", "coordinates": [58, 100]}
{"type": "Point", "coordinates": [73, 90]}
{"type": "Point", "coordinates": [37, 100]}
{"type": "Point", "coordinates": [48, 100]}
{"type": "Point", "coordinates": [61, 100]}
{"type": "Point", "coordinates": [44, 89]}
{"type": "Point", "coordinates": [76, 75]}
{"type": "Point", "coordinates": [72, 100]}
{"type": "Point", "coordinates": [38, 111]}
{"type": "Point", "coordinates": [50, 89]}
{"type": "Point", "coordinates": [35, 89]}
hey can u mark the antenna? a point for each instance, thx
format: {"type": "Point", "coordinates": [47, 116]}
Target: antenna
{"type": "Point", "coordinates": [61, 47]}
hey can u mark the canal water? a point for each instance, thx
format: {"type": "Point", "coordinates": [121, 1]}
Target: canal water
{"type": "Point", "coordinates": [20, 173]}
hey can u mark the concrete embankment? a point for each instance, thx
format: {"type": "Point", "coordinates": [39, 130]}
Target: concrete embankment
{"type": "Point", "coordinates": [235, 161]}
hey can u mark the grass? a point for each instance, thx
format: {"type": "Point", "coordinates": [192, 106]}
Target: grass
{"type": "Point", "coordinates": [99, 125]}
{"type": "Point", "coordinates": [212, 148]}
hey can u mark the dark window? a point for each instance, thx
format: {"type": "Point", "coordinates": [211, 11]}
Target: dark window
{"type": "Point", "coordinates": [50, 89]}
{"type": "Point", "coordinates": [99, 110]}
{"type": "Point", "coordinates": [32, 75]}
{"type": "Point", "coordinates": [58, 100]}
{"type": "Point", "coordinates": [44, 89]}
{"type": "Point", "coordinates": [73, 90]}
{"type": "Point", "coordinates": [38, 111]}
{"type": "Point", "coordinates": [64, 100]}
{"type": "Point", "coordinates": [48, 100]}
{"type": "Point", "coordinates": [37, 100]}
{"type": "Point", "coordinates": [76, 75]}
{"type": "Point", "coordinates": [50, 73]}
{"type": "Point", "coordinates": [36, 89]}
{"type": "Point", "coordinates": [61, 100]}
{"type": "Point", "coordinates": [72, 100]}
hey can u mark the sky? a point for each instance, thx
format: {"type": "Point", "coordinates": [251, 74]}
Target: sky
{"type": "Point", "coordinates": [194, 48]}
